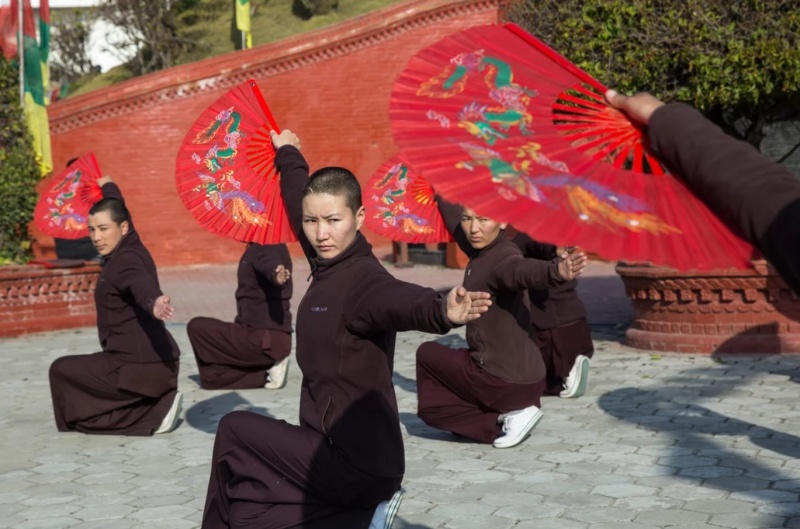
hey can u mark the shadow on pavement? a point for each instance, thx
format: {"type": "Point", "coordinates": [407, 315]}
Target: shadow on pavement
{"type": "Point", "coordinates": [206, 414]}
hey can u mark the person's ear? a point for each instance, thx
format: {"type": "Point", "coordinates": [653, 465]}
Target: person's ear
{"type": "Point", "coordinates": [503, 225]}
{"type": "Point", "coordinates": [361, 214]}
{"type": "Point", "coordinates": [124, 227]}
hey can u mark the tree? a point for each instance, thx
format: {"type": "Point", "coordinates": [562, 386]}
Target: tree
{"type": "Point", "coordinates": [736, 60]}
{"type": "Point", "coordinates": [19, 173]}
{"type": "Point", "coordinates": [306, 9]}
{"type": "Point", "coordinates": [71, 32]}
{"type": "Point", "coordinates": [151, 40]}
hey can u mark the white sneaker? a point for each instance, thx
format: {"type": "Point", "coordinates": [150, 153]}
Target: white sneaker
{"type": "Point", "coordinates": [276, 375]}
{"type": "Point", "coordinates": [578, 378]}
{"type": "Point", "coordinates": [171, 420]}
{"type": "Point", "coordinates": [517, 425]}
{"type": "Point", "coordinates": [386, 511]}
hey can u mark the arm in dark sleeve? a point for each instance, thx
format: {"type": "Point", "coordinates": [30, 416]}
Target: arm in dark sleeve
{"type": "Point", "coordinates": [384, 303]}
{"type": "Point", "coordinates": [757, 197]}
{"type": "Point", "coordinates": [534, 249]}
{"type": "Point", "coordinates": [112, 190]}
{"type": "Point", "coordinates": [518, 273]}
{"type": "Point", "coordinates": [293, 170]}
{"type": "Point", "coordinates": [451, 215]}
{"type": "Point", "coordinates": [268, 258]}
{"type": "Point", "coordinates": [134, 278]}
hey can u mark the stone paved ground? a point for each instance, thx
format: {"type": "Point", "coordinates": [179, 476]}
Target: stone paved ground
{"type": "Point", "coordinates": [658, 441]}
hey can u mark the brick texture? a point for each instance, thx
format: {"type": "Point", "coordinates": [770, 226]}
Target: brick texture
{"type": "Point", "coordinates": [330, 86]}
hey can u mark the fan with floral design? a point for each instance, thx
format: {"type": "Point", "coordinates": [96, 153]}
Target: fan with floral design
{"type": "Point", "coordinates": [400, 205]}
{"type": "Point", "coordinates": [225, 172]}
{"type": "Point", "coordinates": [503, 124]}
{"type": "Point", "coordinates": [63, 209]}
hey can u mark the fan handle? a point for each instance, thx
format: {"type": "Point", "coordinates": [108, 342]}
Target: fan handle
{"type": "Point", "coordinates": [556, 57]}
{"type": "Point", "coordinates": [263, 104]}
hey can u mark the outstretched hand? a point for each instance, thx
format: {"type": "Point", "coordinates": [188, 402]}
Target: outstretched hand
{"type": "Point", "coordinates": [571, 263]}
{"type": "Point", "coordinates": [282, 275]}
{"type": "Point", "coordinates": [638, 107]}
{"type": "Point", "coordinates": [103, 180]}
{"type": "Point", "coordinates": [463, 306]}
{"type": "Point", "coordinates": [286, 137]}
{"type": "Point", "coordinates": [162, 310]}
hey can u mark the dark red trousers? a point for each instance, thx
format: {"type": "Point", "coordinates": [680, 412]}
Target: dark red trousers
{"type": "Point", "coordinates": [100, 394]}
{"type": "Point", "coordinates": [456, 395]}
{"type": "Point", "coordinates": [560, 347]}
{"type": "Point", "coordinates": [233, 356]}
{"type": "Point", "coordinates": [269, 474]}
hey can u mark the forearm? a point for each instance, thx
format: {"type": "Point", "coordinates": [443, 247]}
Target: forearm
{"type": "Point", "coordinates": [112, 190]}
{"type": "Point", "coordinates": [451, 216]}
{"type": "Point", "coordinates": [738, 183]}
{"type": "Point", "coordinates": [523, 274]}
{"type": "Point", "coordinates": [293, 170]}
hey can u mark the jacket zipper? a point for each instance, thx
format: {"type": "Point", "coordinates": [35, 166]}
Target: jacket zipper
{"type": "Point", "coordinates": [325, 414]}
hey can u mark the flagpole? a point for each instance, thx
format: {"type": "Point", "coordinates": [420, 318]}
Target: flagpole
{"type": "Point", "coordinates": [21, 46]}
{"type": "Point", "coordinates": [244, 41]}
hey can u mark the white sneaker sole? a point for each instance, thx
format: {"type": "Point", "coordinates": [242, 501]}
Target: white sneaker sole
{"type": "Point", "coordinates": [582, 365]}
{"type": "Point", "coordinates": [386, 511]}
{"type": "Point", "coordinates": [394, 506]}
{"type": "Point", "coordinates": [278, 374]}
{"type": "Point", "coordinates": [508, 442]}
{"type": "Point", "coordinates": [171, 420]}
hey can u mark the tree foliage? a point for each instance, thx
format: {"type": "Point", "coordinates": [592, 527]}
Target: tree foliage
{"type": "Point", "coordinates": [70, 42]}
{"type": "Point", "coordinates": [737, 60]}
{"type": "Point", "coordinates": [151, 38]}
{"type": "Point", "coordinates": [19, 173]}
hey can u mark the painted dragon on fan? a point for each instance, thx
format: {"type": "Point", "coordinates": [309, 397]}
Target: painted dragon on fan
{"type": "Point", "coordinates": [72, 180]}
{"type": "Point", "coordinates": [589, 201]}
{"type": "Point", "coordinates": [215, 156]}
{"type": "Point", "coordinates": [243, 207]}
{"type": "Point", "coordinates": [71, 221]}
{"type": "Point", "coordinates": [488, 123]}
{"type": "Point", "coordinates": [408, 222]}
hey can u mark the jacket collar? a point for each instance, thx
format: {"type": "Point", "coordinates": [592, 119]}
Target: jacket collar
{"type": "Point", "coordinates": [128, 240]}
{"type": "Point", "coordinates": [321, 268]}
{"type": "Point", "coordinates": [500, 237]}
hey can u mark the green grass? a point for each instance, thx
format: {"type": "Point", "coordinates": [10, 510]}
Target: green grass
{"type": "Point", "coordinates": [213, 33]}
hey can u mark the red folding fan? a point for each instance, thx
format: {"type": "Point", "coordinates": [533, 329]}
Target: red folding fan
{"type": "Point", "coordinates": [499, 122]}
{"type": "Point", "coordinates": [225, 170]}
{"type": "Point", "coordinates": [62, 210]}
{"type": "Point", "coordinates": [400, 205]}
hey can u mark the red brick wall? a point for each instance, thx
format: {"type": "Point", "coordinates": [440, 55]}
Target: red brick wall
{"type": "Point", "coordinates": [331, 87]}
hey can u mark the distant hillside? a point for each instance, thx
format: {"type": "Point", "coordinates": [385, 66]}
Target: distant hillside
{"type": "Point", "coordinates": [209, 23]}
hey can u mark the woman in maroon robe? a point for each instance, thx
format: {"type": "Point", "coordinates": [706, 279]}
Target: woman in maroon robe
{"type": "Point", "coordinates": [559, 321]}
{"type": "Point", "coordinates": [341, 468]}
{"type": "Point", "coordinates": [491, 391]}
{"type": "Point", "coordinates": [253, 351]}
{"type": "Point", "coordinates": [131, 386]}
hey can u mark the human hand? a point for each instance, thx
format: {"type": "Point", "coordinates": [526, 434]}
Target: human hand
{"type": "Point", "coordinates": [103, 180]}
{"type": "Point", "coordinates": [638, 107]}
{"type": "Point", "coordinates": [463, 306]}
{"type": "Point", "coordinates": [571, 264]}
{"type": "Point", "coordinates": [282, 275]}
{"type": "Point", "coordinates": [286, 137]}
{"type": "Point", "coordinates": [162, 310]}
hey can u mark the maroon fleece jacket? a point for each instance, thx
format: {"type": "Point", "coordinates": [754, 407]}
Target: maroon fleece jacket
{"type": "Point", "coordinates": [126, 292]}
{"type": "Point", "coordinates": [262, 303]}
{"type": "Point", "coordinates": [346, 328]}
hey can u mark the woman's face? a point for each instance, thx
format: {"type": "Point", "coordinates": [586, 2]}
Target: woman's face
{"type": "Point", "coordinates": [105, 233]}
{"type": "Point", "coordinates": [481, 231]}
{"type": "Point", "coordinates": [329, 224]}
